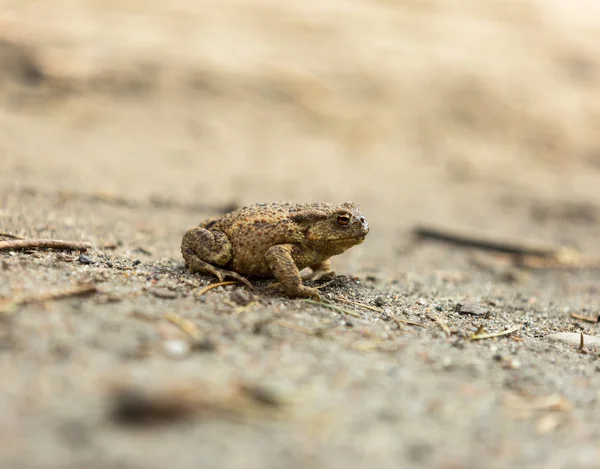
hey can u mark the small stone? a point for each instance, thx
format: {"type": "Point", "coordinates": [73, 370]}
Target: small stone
{"type": "Point", "coordinates": [262, 395]}
{"type": "Point", "coordinates": [111, 298]}
{"type": "Point", "coordinates": [203, 345]}
{"type": "Point", "coordinates": [164, 293]}
{"type": "Point", "coordinates": [511, 364]}
{"type": "Point", "coordinates": [85, 259]}
{"type": "Point", "coordinates": [547, 423]}
{"type": "Point", "coordinates": [176, 348]}
{"type": "Point", "coordinates": [379, 301]}
{"type": "Point", "coordinates": [242, 297]}
{"type": "Point", "coordinates": [447, 363]}
{"type": "Point", "coordinates": [136, 262]}
{"type": "Point", "coordinates": [574, 338]}
{"type": "Point", "coordinates": [473, 309]}
{"type": "Point", "coordinates": [139, 407]}
{"type": "Point", "coordinates": [60, 349]}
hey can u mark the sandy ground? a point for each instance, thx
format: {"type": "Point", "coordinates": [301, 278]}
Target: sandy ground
{"type": "Point", "coordinates": [125, 123]}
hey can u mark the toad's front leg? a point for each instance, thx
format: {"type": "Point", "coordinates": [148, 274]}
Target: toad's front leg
{"type": "Point", "coordinates": [286, 272]}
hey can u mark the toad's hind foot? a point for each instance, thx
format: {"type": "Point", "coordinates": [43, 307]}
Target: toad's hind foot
{"type": "Point", "coordinates": [238, 277]}
{"type": "Point", "coordinates": [319, 275]}
{"type": "Point", "coordinates": [320, 271]}
{"type": "Point", "coordinates": [203, 267]}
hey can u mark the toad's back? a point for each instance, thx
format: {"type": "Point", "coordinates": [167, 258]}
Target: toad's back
{"type": "Point", "coordinates": [254, 229]}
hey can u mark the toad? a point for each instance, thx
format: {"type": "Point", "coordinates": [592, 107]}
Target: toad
{"type": "Point", "coordinates": [275, 240]}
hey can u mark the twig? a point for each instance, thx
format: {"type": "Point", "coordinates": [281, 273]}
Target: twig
{"type": "Point", "coordinates": [335, 308]}
{"type": "Point", "coordinates": [405, 321]}
{"type": "Point", "coordinates": [496, 334]}
{"type": "Point", "coordinates": [10, 236]}
{"type": "Point", "coordinates": [326, 284]}
{"type": "Point", "coordinates": [518, 247]}
{"type": "Point", "coordinates": [11, 306]}
{"type": "Point", "coordinates": [551, 402]}
{"type": "Point", "coordinates": [319, 332]}
{"type": "Point", "coordinates": [581, 342]}
{"type": "Point", "coordinates": [202, 291]}
{"type": "Point", "coordinates": [185, 325]}
{"type": "Point", "coordinates": [240, 309]}
{"type": "Point", "coordinates": [442, 325]}
{"type": "Point", "coordinates": [133, 406]}
{"type": "Point", "coordinates": [398, 322]}
{"type": "Point", "coordinates": [584, 318]}
{"type": "Point", "coordinates": [366, 346]}
{"type": "Point", "coordinates": [565, 260]}
{"type": "Point", "coordinates": [362, 305]}
{"type": "Point", "coordinates": [44, 244]}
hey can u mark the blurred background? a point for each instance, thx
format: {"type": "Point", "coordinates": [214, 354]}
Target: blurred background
{"type": "Point", "coordinates": [126, 122]}
{"type": "Point", "coordinates": [460, 112]}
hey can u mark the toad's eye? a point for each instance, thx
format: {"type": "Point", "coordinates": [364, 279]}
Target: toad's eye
{"type": "Point", "coordinates": [343, 219]}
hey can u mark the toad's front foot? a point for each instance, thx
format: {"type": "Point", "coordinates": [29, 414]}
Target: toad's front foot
{"type": "Point", "coordinates": [284, 269]}
{"type": "Point", "coordinates": [298, 291]}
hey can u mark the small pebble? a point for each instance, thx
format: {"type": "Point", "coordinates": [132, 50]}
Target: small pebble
{"type": "Point", "coordinates": [176, 348]}
{"type": "Point", "coordinates": [261, 395]}
{"type": "Point", "coordinates": [164, 293]}
{"type": "Point", "coordinates": [136, 262]}
{"type": "Point", "coordinates": [447, 363]}
{"type": "Point", "coordinates": [574, 338]}
{"type": "Point", "coordinates": [203, 345]}
{"type": "Point", "coordinates": [379, 301]}
{"type": "Point", "coordinates": [511, 364]}
{"type": "Point", "coordinates": [472, 309]}
{"type": "Point", "coordinates": [131, 406]}
{"type": "Point", "coordinates": [242, 297]}
{"type": "Point", "coordinates": [85, 259]}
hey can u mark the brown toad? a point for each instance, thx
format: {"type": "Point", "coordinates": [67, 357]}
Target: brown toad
{"type": "Point", "coordinates": [275, 239]}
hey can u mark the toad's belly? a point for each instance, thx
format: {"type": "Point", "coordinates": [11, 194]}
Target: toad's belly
{"type": "Point", "coordinates": [250, 265]}
{"type": "Point", "coordinates": [254, 262]}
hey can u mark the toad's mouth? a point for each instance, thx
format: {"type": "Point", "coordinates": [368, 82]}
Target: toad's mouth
{"type": "Point", "coordinates": [354, 239]}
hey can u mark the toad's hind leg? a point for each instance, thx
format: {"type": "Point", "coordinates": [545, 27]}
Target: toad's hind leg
{"type": "Point", "coordinates": [206, 251]}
